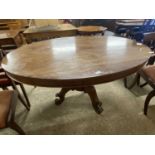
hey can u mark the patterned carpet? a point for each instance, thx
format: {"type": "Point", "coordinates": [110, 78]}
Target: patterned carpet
{"type": "Point", "coordinates": [122, 112]}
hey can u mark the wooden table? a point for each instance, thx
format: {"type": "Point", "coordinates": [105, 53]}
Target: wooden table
{"type": "Point", "coordinates": [10, 37]}
{"type": "Point", "coordinates": [91, 30]}
{"type": "Point", "coordinates": [35, 33]}
{"type": "Point", "coordinates": [76, 63]}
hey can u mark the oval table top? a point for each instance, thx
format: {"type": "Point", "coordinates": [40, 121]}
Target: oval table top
{"type": "Point", "coordinates": [75, 61]}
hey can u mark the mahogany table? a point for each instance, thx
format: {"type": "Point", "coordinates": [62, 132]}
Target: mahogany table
{"type": "Point", "coordinates": [76, 63]}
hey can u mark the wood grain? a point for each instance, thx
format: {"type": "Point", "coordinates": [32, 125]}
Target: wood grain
{"type": "Point", "coordinates": [75, 61]}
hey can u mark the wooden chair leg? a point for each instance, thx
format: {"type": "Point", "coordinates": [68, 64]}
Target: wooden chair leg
{"type": "Point", "coordinates": [25, 95]}
{"type": "Point", "coordinates": [147, 101]}
{"type": "Point", "coordinates": [16, 127]}
{"type": "Point", "coordinates": [138, 79]}
{"type": "Point", "coordinates": [144, 84]}
{"type": "Point", "coordinates": [19, 96]}
{"type": "Point", "coordinates": [133, 83]}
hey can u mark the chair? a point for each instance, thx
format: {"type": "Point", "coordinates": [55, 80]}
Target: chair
{"type": "Point", "coordinates": [8, 99]}
{"type": "Point", "coordinates": [138, 34]}
{"type": "Point", "coordinates": [148, 73]}
{"type": "Point", "coordinates": [6, 82]}
{"type": "Point", "coordinates": [149, 40]}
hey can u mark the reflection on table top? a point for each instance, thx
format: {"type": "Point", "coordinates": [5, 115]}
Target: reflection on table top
{"type": "Point", "coordinates": [75, 61]}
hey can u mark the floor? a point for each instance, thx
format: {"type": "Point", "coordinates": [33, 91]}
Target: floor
{"type": "Point", "coordinates": [122, 112]}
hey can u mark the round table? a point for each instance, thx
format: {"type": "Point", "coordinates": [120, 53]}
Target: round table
{"type": "Point", "coordinates": [91, 30]}
{"type": "Point", "coordinates": [76, 63]}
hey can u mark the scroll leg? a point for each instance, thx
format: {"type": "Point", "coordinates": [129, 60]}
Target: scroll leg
{"type": "Point", "coordinates": [147, 101]}
{"type": "Point", "coordinates": [94, 99]}
{"type": "Point", "coordinates": [61, 96]}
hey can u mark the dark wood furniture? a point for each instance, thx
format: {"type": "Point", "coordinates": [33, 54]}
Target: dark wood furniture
{"type": "Point", "coordinates": [8, 99]}
{"type": "Point", "coordinates": [148, 73]}
{"type": "Point", "coordinates": [91, 30]}
{"type": "Point", "coordinates": [76, 63]}
{"type": "Point", "coordinates": [10, 39]}
{"type": "Point", "coordinates": [36, 33]}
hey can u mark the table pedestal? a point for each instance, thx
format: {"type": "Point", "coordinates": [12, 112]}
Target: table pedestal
{"type": "Point", "coordinates": [90, 90]}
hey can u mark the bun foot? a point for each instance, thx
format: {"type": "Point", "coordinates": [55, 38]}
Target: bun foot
{"type": "Point", "coordinates": [98, 109]}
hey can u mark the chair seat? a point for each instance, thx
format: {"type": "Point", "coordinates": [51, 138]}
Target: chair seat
{"type": "Point", "coordinates": [149, 72]}
{"type": "Point", "coordinates": [5, 82]}
{"type": "Point", "coordinates": [6, 98]}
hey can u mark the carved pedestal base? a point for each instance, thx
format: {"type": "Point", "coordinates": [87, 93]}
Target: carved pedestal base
{"type": "Point", "coordinates": [90, 90]}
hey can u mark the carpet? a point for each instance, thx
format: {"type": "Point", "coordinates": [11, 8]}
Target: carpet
{"type": "Point", "coordinates": [122, 115]}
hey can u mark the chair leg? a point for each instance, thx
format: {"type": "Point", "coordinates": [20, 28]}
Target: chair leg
{"type": "Point", "coordinates": [147, 101]}
{"type": "Point", "coordinates": [144, 84]}
{"type": "Point", "coordinates": [25, 95]}
{"type": "Point", "coordinates": [20, 97]}
{"type": "Point", "coordinates": [136, 79]}
{"type": "Point", "coordinates": [17, 128]}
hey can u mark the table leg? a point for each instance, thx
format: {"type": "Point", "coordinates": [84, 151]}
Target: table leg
{"type": "Point", "coordinates": [61, 96]}
{"type": "Point", "coordinates": [90, 90]}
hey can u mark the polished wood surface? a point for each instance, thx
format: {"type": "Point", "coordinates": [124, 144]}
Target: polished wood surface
{"type": "Point", "coordinates": [75, 61]}
{"type": "Point", "coordinates": [91, 29]}
{"type": "Point", "coordinates": [47, 32]}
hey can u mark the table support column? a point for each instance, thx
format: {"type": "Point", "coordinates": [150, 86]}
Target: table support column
{"type": "Point", "coordinates": [90, 90]}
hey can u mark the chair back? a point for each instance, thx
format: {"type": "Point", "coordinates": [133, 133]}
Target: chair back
{"type": "Point", "coordinates": [148, 26]}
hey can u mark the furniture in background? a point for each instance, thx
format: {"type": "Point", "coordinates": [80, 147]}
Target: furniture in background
{"type": "Point", "coordinates": [8, 100]}
{"type": "Point", "coordinates": [36, 33]}
{"type": "Point", "coordinates": [109, 23]}
{"type": "Point", "coordinates": [123, 27]}
{"type": "Point", "coordinates": [10, 39]}
{"type": "Point", "coordinates": [76, 63]}
{"type": "Point", "coordinates": [91, 30]}
{"type": "Point", "coordinates": [138, 33]}
{"type": "Point", "coordinates": [14, 23]}
{"type": "Point", "coordinates": [45, 22]}
{"type": "Point", "coordinates": [4, 27]}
